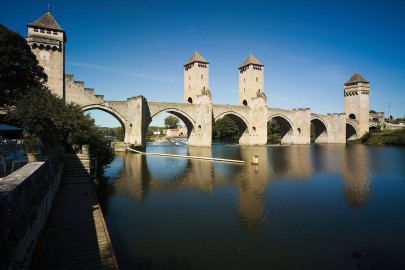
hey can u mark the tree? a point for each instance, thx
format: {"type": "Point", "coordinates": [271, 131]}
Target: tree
{"type": "Point", "coordinates": [44, 115]}
{"type": "Point", "coordinates": [19, 68]}
{"type": "Point", "coordinates": [119, 134]}
{"type": "Point", "coordinates": [225, 128]}
{"type": "Point", "coordinates": [171, 121]}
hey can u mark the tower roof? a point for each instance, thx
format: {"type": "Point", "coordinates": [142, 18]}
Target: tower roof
{"type": "Point", "coordinates": [196, 58]}
{"type": "Point", "coordinates": [356, 78]}
{"type": "Point", "coordinates": [251, 60]}
{"type": "Point", "coordinates": [46, 21]}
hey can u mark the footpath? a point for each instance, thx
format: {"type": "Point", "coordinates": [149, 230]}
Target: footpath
{"type": "Point", "coordinates": [75, 236]}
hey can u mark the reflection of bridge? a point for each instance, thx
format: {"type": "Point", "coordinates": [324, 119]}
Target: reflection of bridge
{"type": "Point", "coordinates": [47, 40]}
{"type": "Point", "coordinates": [144, 174]}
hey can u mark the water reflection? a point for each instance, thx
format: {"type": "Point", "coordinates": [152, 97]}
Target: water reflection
{"type": "Point", "coordinates": [145, 174]}
{"type": "Point", "coordinates": [355, 172]}
{"type": "Point", "coordinates": [295, 206]}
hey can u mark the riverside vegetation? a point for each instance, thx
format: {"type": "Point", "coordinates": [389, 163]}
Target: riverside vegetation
{"type": "Point", "coordinates": [383, 137]}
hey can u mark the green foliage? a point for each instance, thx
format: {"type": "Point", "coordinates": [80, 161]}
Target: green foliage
{"type": "Point", "coordinates": [19, 71]}
{"type": "Point", "coordinates": [273, 132]}
{"type": "Point", "coordinates": [384, 137]}
{"type": "Point", "coordinates": [171, 121]}
{"type": "Point", "coordinates": [99, 146]}
{"type": "Point", "coordinates": [119, 134]}
{"type": "Point", "coordinates": [30, 144]}
{"type": "Point", "coordinates": [225, 129]}
{"type": "Point", "coordinates": [40, 113]}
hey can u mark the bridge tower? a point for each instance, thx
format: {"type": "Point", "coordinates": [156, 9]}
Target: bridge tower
{"type": "Point", "coordinates": [196, 80]}
{"type": "Point", "coordinates": [251, 95]}
{"type": "Point", "coordinates": [251, 80]}
{"type": "Point", "coordinates": [47, 41]}
{"type": "Point", "coordinates": [356, 101]}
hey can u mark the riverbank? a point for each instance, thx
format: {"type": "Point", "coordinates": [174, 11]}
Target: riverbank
{"type": "Point", "coordinates": [383, 137]}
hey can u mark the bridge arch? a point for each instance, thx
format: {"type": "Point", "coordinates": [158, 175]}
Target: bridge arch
{"type": "Point", "coordinates": [106, 109]}
{"type": "Point", "coordinates": [286, 126]}
{"type": "Point", "coordinates": [185, 117]}
{"type": "Point", "coordinates": [373, 126]}
{"type": "Point", "coordinates": [239, 120]}
{"type": "Point", "coordinates": [352, 132]}
{"type": "Point", "coordinates": [321, 130]}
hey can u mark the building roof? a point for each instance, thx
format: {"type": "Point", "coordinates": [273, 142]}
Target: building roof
{"type": "Point", "coordinates": [46, 21]}
{"type": "Point", "coordinates": [196, 58]}
{"type": "Point", "coordinates": [356, 78]}
{"type": "Point", "coordinates": [251, 60]}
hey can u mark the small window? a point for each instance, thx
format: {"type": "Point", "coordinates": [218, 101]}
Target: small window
{"type": "Point", "coordinates": [352, 116]}
{"type": "Point", "coordinates": [190, 100]}
{"type": "Point", "coordinates": [189, 78]}
{"type": "Point", "coordinates": [244, 102]}
{"type": "Point", "coordinates": [257, 79]}
{"type": "Point", "coordinates": [202, 77]}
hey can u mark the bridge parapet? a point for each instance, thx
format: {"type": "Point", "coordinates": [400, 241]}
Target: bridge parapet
{"type": "Point", "coordinates": [77, 93]}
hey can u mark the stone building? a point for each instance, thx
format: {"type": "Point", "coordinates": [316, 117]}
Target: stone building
{"type": "Point", "coordinates": [47, 41]}
{"type": "Point", "coordinates": [356, 102]}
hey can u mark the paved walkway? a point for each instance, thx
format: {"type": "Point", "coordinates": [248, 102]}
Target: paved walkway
{"type": "Point", "coordinates": [75, 236]}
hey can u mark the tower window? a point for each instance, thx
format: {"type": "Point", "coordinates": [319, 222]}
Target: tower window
{"type": "Point", "coordinates": [189, 87]}
{"type": "Point", "coordinates": [352, 116]}
{"type": "Point", "coordinates": [244, 102]}
{"type": "Point", "coordinates": [257, 79]}
{"type": "Point", "coordinates": [202, 77]}
{"type": "Point", "coordinates": [189, 78]}
{"type": "Point", "coordinates": [190, 100]}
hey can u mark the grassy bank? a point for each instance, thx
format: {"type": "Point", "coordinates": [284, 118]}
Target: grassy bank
{"type": "Point", "coordinates": [383, 137]}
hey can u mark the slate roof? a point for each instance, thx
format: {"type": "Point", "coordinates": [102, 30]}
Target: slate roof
{"type": "Point", "coordinates": [356, 78]}
{"type": "Point", "coordinates": [46, 21]}
{"type": "Point", "coordinates": [251, 60]}
{"type": "Point", "coordinates": [196, 58]}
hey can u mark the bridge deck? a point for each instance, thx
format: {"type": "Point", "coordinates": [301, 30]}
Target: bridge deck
{"type": "Point", "coordinates": [75, 236]}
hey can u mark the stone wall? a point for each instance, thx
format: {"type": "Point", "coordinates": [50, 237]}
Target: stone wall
{"type": "Point", "coordinates": [26, 198]}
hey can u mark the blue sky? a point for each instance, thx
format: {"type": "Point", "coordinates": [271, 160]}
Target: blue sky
{"type": "Point", "coordinates": [309, 48]}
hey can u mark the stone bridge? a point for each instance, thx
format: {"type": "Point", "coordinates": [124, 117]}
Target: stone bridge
{"type": "Point", "coordinates": [136, 113]}
{"type": "Point", "coordinates": [47, 41]}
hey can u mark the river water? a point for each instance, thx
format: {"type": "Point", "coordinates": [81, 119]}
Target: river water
{"type": "Point", "coordinates": [301, 207]}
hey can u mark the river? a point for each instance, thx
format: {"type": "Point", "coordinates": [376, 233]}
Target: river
{"type": "Point", "coordinates": [302, 207]}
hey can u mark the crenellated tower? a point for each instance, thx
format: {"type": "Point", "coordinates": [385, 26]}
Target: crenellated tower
{"type": "Point", "coordinates": [47, 41]}
{"type": "Point", "coordinates": [356, 101]}
{"type": "Point", "coordinates": [196, 78]}
{"type": "Point", "coordinates": [251, 80]}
